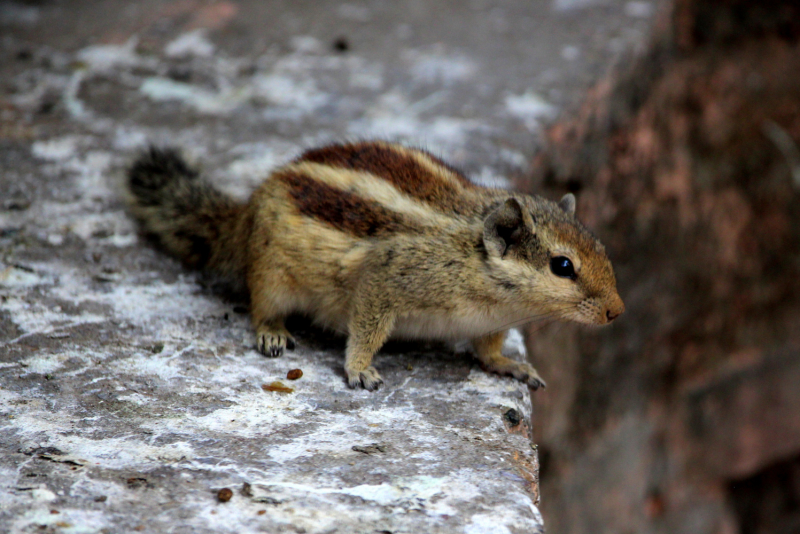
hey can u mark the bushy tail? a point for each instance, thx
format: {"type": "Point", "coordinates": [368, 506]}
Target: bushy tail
{"type": "Point", "coordinates": [186, 216]}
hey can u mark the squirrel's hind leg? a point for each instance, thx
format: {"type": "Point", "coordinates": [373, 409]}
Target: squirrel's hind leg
{"type": "Point", "coordinates": [488, 350]}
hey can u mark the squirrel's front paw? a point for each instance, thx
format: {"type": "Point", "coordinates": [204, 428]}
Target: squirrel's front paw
{"type": "Point", "coordinates": [271, 343]}
{"type": "Point", "coordinates": [524, 372]}
{"type": "Point", "coordinates": [368, 378]}
{"type": "Point", "coordinates": [527, 374]}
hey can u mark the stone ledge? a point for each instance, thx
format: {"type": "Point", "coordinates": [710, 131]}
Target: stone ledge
{"type": "Point", "coordinates": [130, 404]}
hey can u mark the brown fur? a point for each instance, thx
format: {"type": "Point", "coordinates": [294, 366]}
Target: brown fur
{"type": "Point", "coordinates": [341, 209]}
{"type": "Point", "coordinates": [404, 168]}
{"type": "Point", "coordinates": [378, 240]}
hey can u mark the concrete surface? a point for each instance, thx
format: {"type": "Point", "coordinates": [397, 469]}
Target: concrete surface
{"type": "Point", "coordinates": [130, 391]}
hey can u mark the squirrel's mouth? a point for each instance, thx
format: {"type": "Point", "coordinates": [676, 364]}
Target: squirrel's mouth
{"type": "Point", "coordinates": [588, 316]}
{"type": "Point", "coordinates": [597, 311]}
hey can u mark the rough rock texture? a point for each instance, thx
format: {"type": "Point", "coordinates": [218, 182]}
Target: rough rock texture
{"type": "Point", "coordinates": [685, 415]}
{"type": "Point", "coordinates": [121, 411]}
{"type": "Point", "coordinates": [131, 397]}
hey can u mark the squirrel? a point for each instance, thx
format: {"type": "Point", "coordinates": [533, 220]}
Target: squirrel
{"type": "Point", "coordinates": [379, 240]}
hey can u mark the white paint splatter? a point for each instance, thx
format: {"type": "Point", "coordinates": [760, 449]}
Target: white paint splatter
{"type": "Point", "coordinates": [103, 58]}
{"type": "Point", "coordinates": [58, 149]}
{"type": "Point", "coordinates": [438, 66]}
{"type": "Point", "coordinates": [369, 77]}
{"type": "Point", "coordinates": [484, 524]}
{"type": "Point", "coordinates": [335, 434]}
{"type": "Point", "coordinates": [288, 91]}
{"type": "Point", "coordinates": [55, 239]}
{"type": "Point", "coordinates": [44, 363]}
{"type": "Point", "coordinates": [91, 177]}
{"type": "Point", "coordinates": [393, 117]}
{"type": "Point", "coordinates": [203, 100]}
{"type": "Point", "coordinates": [255, 163]}
{"type": "Point", "coordinates": [193, 43]}
{"type": "Point", "coordinates": [489, 178]}
{"type": "Point", "coordinates": [157, 301]}
{"type": "Point", "coordinates": [129, 137]}
{"type": "Point", "coordinates": [36, 318]}
{"type": "Point", "coordinates": [43, 494]}
{"type": "Point", "coordinates": [15, 277]}
{"type": "Point", "coordinates": [530, 108]}
{"type": "Point", "coordinates": [118, 229]}
{"type": "Point", "coordinates": [402, 491]}
{"type": "Point", "coordinates": [256, 413]}
{"type": "Point", "coordinates": [74, 105]}
{"type": "Point", "coordinates": [496, 391]}
{"type": "Point", "coordinates": [514, 158]}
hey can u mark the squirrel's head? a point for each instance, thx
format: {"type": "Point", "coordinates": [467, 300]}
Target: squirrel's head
{"type": "Point", "coordinates": [548, 262]}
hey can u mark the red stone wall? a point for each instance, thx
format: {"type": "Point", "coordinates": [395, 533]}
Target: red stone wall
{"type": "Point", "coordinates": [687, 165]}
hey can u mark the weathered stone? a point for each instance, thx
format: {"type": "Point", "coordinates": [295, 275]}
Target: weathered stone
{"type": "Point", "coordinates": [109, 430]}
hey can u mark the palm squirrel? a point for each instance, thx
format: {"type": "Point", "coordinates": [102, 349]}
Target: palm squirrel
{"type": "Point", "coordinates": [379, 241]}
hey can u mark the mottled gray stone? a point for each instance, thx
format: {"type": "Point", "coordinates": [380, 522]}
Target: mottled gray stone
{"type": "Point", "coordinates": [134, 403]}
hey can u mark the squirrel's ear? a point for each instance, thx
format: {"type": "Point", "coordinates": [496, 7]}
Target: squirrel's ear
{"type": "Point", "coordinates": [567, 203]}
{"type": "Point", "coordinates": [506, 226]}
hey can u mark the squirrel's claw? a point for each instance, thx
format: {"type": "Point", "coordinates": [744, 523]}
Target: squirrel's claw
{"type": "Point", "coordinates": [535, 382]}
{"type": "Point", "coordinates": [531, 377]}
{"type": "Point", "coordinates": [368, 379]}
{"type": "Point", "coordinates": [272, 344]}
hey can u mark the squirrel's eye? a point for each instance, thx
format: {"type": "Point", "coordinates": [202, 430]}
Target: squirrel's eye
{"type": "Point", "coordinates": [562, 267]}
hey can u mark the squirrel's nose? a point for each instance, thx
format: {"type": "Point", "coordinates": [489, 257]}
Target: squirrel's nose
{"type": "Point", "coordinates": [614, 308]}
